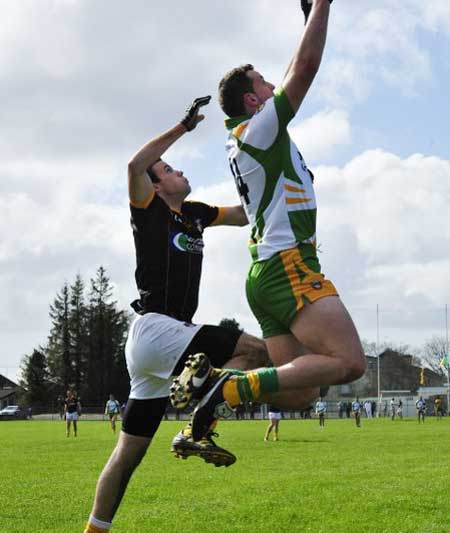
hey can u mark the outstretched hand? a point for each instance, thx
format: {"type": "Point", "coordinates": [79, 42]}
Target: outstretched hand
{"type": "Point", "coordinates": [192, 118]}
{"type": "Point", "coordinates": [306, 7]}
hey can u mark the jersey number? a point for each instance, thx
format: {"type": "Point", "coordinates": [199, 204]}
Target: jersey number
{"type": "Point", "coordinates": [242, 187]}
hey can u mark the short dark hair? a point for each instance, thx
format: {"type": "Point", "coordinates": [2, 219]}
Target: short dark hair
{"type": "Point", "coordinates": [232, 88]}
{"type": "Point", "coordinates": [151, 174]}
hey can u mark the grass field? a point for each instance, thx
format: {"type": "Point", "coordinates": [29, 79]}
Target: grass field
{"type": "Point", "coordinates": [385, 477]}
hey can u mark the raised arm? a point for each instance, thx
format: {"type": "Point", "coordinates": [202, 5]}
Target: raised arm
{"type": "Point", "coordinates": [231, 216]}
{"type": "Point", "coordinates": [306, 60]}
{"type": "Point", "coordinates": [140, 186]}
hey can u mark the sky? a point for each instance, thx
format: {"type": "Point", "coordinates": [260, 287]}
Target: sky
{"type": "Point", "coordinates": [84, 83]}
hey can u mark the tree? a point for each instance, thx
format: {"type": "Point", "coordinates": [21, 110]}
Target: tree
{"type": "Point", "coordinates": [59, 349]}
{"type": "Point", "coordinates": [35, 377]}
{"type": "Point", "coordinates": [370, 348]}
{"type": "Point", "coordinates": [78, 316]}
{"type": "Point", "coordinates": [434, 350]}
{"type": "Point", "coordinates": [85, 348]}
{"type": "Point", "coordinates": [107, 328]}
{"type": "Point", "coordinates": [231, 323]}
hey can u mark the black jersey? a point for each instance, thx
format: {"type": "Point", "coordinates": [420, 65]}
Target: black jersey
{"type": "Point", "coordinates": [169, 254]}
{"type": "Point", "coordinates": [71, 405]}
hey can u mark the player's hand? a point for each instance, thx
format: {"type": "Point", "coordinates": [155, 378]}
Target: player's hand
{"type": "Point", "coordinates": [192, 118]}
{"type": "Point", "coordinates": [306, 7]}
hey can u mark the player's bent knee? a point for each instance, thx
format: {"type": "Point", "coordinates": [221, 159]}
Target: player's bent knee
{"type": "Point", "coordinates": [254, 350]}
{"type": "Point", "coordinates": [259, 356]}
{"type": "Point", "coordinates": [355, 369]}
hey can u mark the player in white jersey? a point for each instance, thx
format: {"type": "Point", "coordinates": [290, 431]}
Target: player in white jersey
{"type": "Point", "coordinates": [293, 302]}
{"type": "Point", "coordinates": [112, 409]}
{"type": "Point", "coordinates": [356, 410]}
{"type": "Point", "coordinates": [321, 409]}
{"type": "Point", "coordinates": [421, 408]}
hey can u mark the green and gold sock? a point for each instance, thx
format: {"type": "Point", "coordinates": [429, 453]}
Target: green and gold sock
{"type": "Point", "coordinates": [250, 386]}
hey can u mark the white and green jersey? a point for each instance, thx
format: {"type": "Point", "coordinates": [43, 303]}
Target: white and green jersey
{"type": "Point", "coordinates": [272, 179]}
{"type": "Point", "coordinates": [356, 406]}
{"type": "Point", "coordinates": [112, 407]}
{"type": "Point", "coordinates": [420, 405]}
{"type": "Point", "coordinates": [321, 407]}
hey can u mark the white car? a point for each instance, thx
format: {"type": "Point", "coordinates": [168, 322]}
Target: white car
{"type": "Point", "coordinates": [13, 410]}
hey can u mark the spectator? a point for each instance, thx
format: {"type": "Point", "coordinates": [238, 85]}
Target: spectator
{"type": "Point", "coordinates": [400, 409]}
{"type": "Point", "coordinates": [348, 409]}
{"type": "Point", "coordinates": [368, 408]}
{"type": "Point", "coordinates": [393, 409]}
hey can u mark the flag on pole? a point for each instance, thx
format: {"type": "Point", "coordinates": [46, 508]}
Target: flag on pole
{"type": "Point", "coordinates": [443, 363]}
{"type": "Point", "coordinates": [422, 376]}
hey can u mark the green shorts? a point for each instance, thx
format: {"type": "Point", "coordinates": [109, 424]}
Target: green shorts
{"type": "Point", "coordinates": [279, 287]}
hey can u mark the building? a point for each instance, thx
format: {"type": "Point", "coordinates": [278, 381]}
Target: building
{"type": "Point", "coordinates": [398, 372]}
{"type": "Point", "coordinates": [10, 392]}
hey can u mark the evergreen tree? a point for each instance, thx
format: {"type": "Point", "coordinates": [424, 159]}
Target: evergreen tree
{"type": "Point", "coordinates": [59, 346]}
{"type": "Point", "coordinates": [85, 349]}
{"type": "Point", "coordinates": [35, 377]}
{"type": "Point", "coordinates": [107, 328]}
{"type": "Point", "coordinates": [78, 316]}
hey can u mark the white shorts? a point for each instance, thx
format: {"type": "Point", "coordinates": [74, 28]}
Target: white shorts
{"type": "Point", "coordinates": [155, 344]}
{"type": "Point", "coordinates": [274, 416]}
{"type": "Point", "coordinates": [72, 416]}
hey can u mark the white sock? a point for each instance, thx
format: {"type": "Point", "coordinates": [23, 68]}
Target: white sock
{"type": "Point", "coordinates": [99, 523]}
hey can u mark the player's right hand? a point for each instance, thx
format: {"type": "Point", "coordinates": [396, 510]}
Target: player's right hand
{"type": "Point", "coordinates": [192, 118]}
{"type": "Point", "coordinates": [306, 7]}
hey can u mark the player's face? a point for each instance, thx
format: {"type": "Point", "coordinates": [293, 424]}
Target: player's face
{"type": "Point", "coordinates": [172, 181]}
{"type": "Point", "coordinates": [262, 88]}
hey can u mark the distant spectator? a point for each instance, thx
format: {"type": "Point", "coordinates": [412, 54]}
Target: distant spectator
{"type": "Point", "coordinates": [348, 409]}
{"type": "Point", "coordinates": [368, 408]}
{"type": "Point", "coordinates": [61, 407]}
{"type": "Point", "coordinates": [393, 408]}
{"type": "Point", "coordinates": [400, 409]}
{"type": "Point", "coordinates": [30, 413]}
{"type": "Point", "coordinates": [385, 409]}
{"type": "Point", "coordinates": [240, 412]}
{"type": "Point", "coordinates": [374, 408]}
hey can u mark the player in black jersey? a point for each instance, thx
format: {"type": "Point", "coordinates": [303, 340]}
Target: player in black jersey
{"type": "Point", "coordinates": [72, 410]}
{"type": "Point", "coordinates": [168, 239]}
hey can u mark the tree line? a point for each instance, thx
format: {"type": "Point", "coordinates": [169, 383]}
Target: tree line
{"type": "Point", "coordinates": [84, 349]}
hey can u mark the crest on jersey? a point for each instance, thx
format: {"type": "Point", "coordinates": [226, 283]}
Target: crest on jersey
{"type": "Point", "coordinates": [185, 243]}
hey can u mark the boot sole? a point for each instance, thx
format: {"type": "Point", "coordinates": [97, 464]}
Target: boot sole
{"type": "Point", "coordinates": [181, 390]}
{"type": "Point", "coordinates": [215, 457]}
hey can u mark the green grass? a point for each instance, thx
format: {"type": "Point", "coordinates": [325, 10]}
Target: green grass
{"type": "Point", "coordinates": [385, 477]}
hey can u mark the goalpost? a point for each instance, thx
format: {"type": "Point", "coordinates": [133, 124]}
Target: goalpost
{"type": "Point", "coordinates": [391, 393]}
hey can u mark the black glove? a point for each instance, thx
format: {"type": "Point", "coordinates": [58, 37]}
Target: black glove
{"type": "Point", "coordinates": [306, 7]}
{"type": "Point", "coordinates": [192, 118]}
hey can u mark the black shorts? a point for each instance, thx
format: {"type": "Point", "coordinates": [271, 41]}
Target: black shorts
{"type": "Point", "coordinates": [142, 417]}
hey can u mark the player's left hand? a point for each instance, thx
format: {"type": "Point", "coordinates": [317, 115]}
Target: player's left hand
{"type": "Point", "coordinates": [192, 118]}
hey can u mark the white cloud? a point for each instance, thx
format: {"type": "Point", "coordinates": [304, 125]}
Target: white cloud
{"type": "Point", "coordinates": [436, 14]}
{"type": "Point", "coordinates": [385, 233]}
{"type": "Point", "coordinates": [319, 135]}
